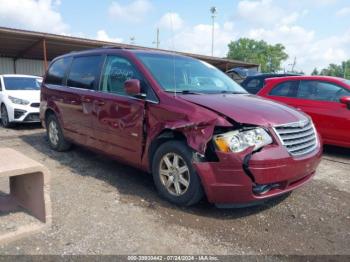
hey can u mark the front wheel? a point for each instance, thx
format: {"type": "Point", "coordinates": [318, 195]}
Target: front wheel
{"type": "Point", "coordinates": [5, 117]}
{"type": "Point", "coordinates": [55, 135]}
{"type": "Point", "coordinates": [174, 175]}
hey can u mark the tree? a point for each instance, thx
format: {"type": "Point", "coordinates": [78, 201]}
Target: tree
{"type": "Point", "coordinates": [315, 72]}
{"type": "Point", "coordinates": [269, 57]}
{"type": "Point", "coordinates": [342, 70]}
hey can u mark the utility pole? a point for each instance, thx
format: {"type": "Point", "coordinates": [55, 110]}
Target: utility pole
{"type": "Point", "coordinates": [293, 64]}
{"type": "Point", "coordinates": [157, 42]}
{"type": "Point", "coordinates": [213, 12]}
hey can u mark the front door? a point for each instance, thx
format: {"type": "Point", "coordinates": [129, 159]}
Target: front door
{"type": "Point", "coordinates": [118, 119]}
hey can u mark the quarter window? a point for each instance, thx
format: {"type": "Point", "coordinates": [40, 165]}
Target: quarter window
{"type": "Point", "coordinates": [57, 71]}
{"type": "Point", "coordinates": [286, 89]}
{"type": "Point", "coordinates": [323, 91]}
{"type": "Point", "coordinates": [84, 72]}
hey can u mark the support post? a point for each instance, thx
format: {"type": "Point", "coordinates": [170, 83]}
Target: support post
{"type": "Point", "coordinates": [14, 66]}
{"type": "Point", "coordinates": [45, 54]}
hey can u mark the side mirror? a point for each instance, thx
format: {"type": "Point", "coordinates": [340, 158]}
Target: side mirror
{"type": "Point", "coordinates": [133, 88]}
{"type": "Point", "coordinates": [345, 100]}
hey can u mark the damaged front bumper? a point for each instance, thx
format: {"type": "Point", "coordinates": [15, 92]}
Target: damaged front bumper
{"type": "Point", "coordinates": [247, 177]}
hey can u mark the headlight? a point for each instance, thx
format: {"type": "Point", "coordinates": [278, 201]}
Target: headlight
{"type": "Point", "coordinates": [237, 141]}
{"type": "Point", "coordinates": [18, 101]}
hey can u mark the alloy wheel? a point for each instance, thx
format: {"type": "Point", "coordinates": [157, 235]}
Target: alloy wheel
{"type": "Point", "coordinates": [174, 174]}
{"type": "Point", "coordinates": [53, 133]}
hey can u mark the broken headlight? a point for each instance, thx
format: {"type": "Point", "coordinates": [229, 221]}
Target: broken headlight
{"type": "Point", "coordinates": [239, 140]}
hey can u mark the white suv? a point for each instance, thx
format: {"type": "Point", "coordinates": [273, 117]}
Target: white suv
{"type": "Point", "coordinates": [19, 99]}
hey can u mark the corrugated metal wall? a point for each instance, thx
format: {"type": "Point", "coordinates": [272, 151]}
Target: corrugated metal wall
{"type": "Point", "coordinates": [23, 66]}
{"type": "Point", "coordinates": [6, 65]}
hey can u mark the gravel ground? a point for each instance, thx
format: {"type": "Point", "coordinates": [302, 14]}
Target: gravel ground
{"type": "Point", "coordinates": [103, 207]}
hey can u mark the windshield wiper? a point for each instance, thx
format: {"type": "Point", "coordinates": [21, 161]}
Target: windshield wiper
{"type": "Point", "coordinates": [184, 92]}
{"type": "Point", "coordinates": [232, 92]}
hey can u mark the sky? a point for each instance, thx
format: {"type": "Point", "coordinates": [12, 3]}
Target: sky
{"type": "Point", "coordinates": [315, 32]}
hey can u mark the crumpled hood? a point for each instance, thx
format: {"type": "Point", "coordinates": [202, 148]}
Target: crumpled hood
{"type": "Point", "coordinates": [29, 95]}
{"type": "Point", "coordinates": [248, 109]}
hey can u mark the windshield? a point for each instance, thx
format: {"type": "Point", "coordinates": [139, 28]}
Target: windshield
{"type": "Point", "coordinates": [184, 74]}
{"type": "Point", "coordinates": [22, 83]}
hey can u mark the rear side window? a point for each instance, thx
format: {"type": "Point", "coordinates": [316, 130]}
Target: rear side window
{"type": "Point", "coordinates": [84, 72]}
{"type": "Point", "coordinates": [254, 86]}
{"type": "Point", "coordinates": [57, 71]}
{"type": "Point", "coordinates": [286, 89]}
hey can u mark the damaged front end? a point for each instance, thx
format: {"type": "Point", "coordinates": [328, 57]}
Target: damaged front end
{"type": "Point", "coordinates": [238, 163]}
{"type": "Point", "coordinates": [251, 165]}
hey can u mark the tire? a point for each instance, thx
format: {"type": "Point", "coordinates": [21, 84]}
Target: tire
{"type": "Point", "coordinates": [170, 177]}
{"type": "Point", "coordinates": [5, 117]}
{"type": "Point", "coordinates": [55, 135]}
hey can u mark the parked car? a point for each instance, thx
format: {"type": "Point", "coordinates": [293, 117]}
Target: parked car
{"type": "Point", "coordinates": [19, 99]}
{"type": "Point", "coordinates": [254, 83]}
{"type": "Point", "coordinates": [325, 99]}
{"type": "Point", "coordinates": [190, 125]}
{"type": "Point", "coordinates": [239, 73]}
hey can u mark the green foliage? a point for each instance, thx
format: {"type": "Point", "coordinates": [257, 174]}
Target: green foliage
{"type": "Point", "coordinates": [315, 72]}
{"type": "Point", "coordinates": [269, 57]}
{"type": "Point", "coordinates": [342, 70]}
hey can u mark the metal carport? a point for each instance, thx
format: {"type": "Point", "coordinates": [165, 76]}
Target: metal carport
{"type": "Point", "coordinates": [29, 52]}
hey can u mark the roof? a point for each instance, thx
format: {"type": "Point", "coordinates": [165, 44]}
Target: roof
{"type": "Point", "coordinates": [18, 75]}
{"type": "Point", "coordinates": [303, 77]}
{"type": "Point", "coordinates": [17, 43]}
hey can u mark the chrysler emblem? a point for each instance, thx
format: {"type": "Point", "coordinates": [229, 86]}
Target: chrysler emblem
{"type": "Point", "coordinates": [301, 124]}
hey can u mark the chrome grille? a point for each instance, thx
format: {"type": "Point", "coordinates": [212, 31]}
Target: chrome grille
{"type": "Point", "coordinates": [299, 138]}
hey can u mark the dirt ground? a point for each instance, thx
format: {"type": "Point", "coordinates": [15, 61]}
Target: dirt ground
{"type": "Point", "coordinates": [103, 207]}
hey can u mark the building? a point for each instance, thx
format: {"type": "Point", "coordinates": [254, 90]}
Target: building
{"type": "Point", "coordinates": [28, 52]}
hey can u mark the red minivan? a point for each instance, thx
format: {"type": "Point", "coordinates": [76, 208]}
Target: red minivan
{"type": "Point", "coordinates": [181, 119]}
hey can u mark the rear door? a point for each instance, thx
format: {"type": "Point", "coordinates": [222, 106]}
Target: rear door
{"type": "Point", "coordinates": [118, 118]}
{"type": "Point", "coordinates": [82, 82]}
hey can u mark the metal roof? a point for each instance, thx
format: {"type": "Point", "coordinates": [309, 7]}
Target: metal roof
{"type": "Point", "coordinates": [17, 44]}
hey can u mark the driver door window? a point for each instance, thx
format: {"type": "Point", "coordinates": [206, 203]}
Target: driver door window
{"type": "Point", "coordinates": [116, 71]}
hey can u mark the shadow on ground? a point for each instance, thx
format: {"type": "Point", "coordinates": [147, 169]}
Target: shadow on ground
{"type": "Point", "coordinates": [24, 126]}
{"type": "Point", "coordinates": [335, 151]}
{"type": "Point", "coordinates": [137, 186]}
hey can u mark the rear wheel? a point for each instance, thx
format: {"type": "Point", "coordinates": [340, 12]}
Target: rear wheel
{"type": "Point", "coordinates": [5, 117]}
{"type": "Point", "coordinates": [174, 175]}
{"type": "Point", "coordinates": [55, 135]}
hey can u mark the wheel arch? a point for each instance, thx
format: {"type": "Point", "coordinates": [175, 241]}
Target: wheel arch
{"type": "Point", "coordinates": [164, 136]}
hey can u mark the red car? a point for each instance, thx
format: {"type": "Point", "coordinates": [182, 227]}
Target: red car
{"type": "Point", "coordinates": [181, 119]}
{"type": "Point", "coordinates": [326, 99]}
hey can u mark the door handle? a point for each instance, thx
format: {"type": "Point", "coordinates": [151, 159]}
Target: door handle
{"type": "Point", "coordinates": [86, 99]}
{"type": "Point", "coordinates": [100, 103]}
